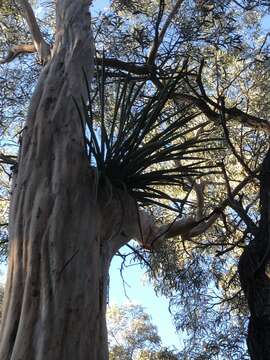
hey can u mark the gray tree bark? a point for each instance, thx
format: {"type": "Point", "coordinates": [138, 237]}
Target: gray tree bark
{"type": "Point", "coordinates": [59, 254]}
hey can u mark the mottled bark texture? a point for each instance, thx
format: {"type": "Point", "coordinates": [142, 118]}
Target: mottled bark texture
{"type": "Point", "coordinates": [254, 270]}
{"type": "Point", "coordinates": [59, 254]}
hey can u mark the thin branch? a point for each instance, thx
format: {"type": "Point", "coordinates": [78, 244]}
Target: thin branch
{"type": "Point", "coordinates": [228, 139]}
{"type": "Point", "coordinates": [139, 255]}
{"type": "Point", "coordinates": [190, 227]}
{"type": "Point", "coordinates": [250, 7]}
{"type": "Point", "coordinates": [122, 277]}
{"type": "Point", "coordinates": [227, 181]}
{"type": "Point", "coordinates": [153, 50]}
{"type": "Point", "coordinates": [138, 69]}
{"type": "Point", "coordinates": [201, 87]}
{"type": "Point", "coordinates": [157, 42]}
{"type": "Point", "coordinates": [238, 207]}
{"type": "Point", "coordinates": [8, 159]}
{"type": "Point", "coordinates": [232, 247]}
{"type": "Point", "coordinates": [264, 42]}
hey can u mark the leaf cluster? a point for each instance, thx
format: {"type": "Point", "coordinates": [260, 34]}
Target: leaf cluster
{"type": "Point", "coordinates": [145, 144]}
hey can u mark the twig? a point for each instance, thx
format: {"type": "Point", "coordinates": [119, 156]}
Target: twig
{"type": "Point", "coordinates": [227, 136]}
{"type": "Point", "coordinates": [139, 255]}
{"type": "Point", "coordinates": [158, 39]}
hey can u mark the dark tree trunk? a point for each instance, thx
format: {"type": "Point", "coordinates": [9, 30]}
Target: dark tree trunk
{"type": "Point", "coordinates": [254, 270]}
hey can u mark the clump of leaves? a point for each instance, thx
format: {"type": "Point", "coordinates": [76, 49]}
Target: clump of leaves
{"type": "Point", "coordinates": [129, 5]}
{"type": "Point", "coordinates": [144, 142]}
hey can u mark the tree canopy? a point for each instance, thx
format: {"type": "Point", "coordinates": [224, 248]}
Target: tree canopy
{"type": "Point", "coordinates": [177, 116]}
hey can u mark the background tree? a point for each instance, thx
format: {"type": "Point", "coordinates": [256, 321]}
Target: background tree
{"type": "Point", "coordinates": [132, 335]}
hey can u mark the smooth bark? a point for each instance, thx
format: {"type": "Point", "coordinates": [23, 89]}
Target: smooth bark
{"type": "Point", "coordinates": [54, 305]}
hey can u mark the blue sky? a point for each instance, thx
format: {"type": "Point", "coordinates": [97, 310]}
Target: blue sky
{"type": "Point", "coordinates": [99, 5]}
{"type": "Point", "coordinates": [141, 292]}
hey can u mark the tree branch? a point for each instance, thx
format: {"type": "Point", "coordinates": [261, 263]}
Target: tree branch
{"type": "Point", "coordinates": [8, 159]}
{"type": "Point", "coordinates": [228, 138]}
{"type": "Point", "coordinates": [187, 228]}
{"type": "Point", "coordinates": [138, 69]}
{"type": "Point", "coordinates": [17, 50]}
{"type": "Point", "coordinates": [209, 221]}
{"type": "Point", "coordinates": [158, 40]}
{"type": "Point", "coordinates": [199, 190]}
{"type": "Point", "coordinates": [231, 113]}
{"type": "Point", "coordinates": [42, 47]}
{"type": "Point", "coordinates": [200, 102]}
{"type": "Point", "coordinates": [203, 102]}
{"type": "Point", "coordinates": [238, 207]}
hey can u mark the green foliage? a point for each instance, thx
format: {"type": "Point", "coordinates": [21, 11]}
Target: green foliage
{"type": "Point", "coordinates": [145, 144]}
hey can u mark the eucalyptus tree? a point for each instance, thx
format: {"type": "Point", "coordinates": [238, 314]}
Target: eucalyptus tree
{"type": "Point", "coordinates": [130, 330]}
{"type": "Point", "coordinates": [132, 335]}
{"type": "Point", "coordinates": [94, 171]}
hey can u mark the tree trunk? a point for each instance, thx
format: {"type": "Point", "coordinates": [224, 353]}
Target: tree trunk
{"type": "Point", "coordinates": [254, 270]}
{"type": "Point", "coordinates": [59, 255]}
